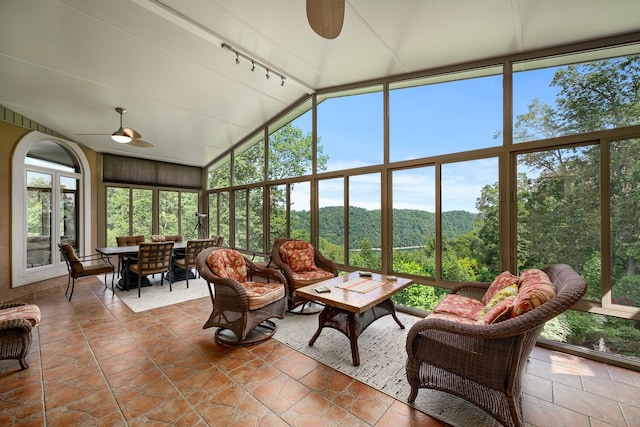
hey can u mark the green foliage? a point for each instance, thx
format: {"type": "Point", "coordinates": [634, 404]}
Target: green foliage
{"type": "Point", "coordinates": [420, 296]}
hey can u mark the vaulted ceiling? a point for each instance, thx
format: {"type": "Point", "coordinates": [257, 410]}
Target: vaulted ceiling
{"type": "Point", "coordinates": [67, 64]}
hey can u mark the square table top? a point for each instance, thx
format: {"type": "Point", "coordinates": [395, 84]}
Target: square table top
{"type": "Point", "coordinates": [122, 250]}
{"type": "Point", "coordinates": [350, 300]}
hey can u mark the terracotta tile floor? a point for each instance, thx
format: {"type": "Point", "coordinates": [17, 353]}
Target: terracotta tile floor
{"type": "Point", "coordinates": [94, 362]}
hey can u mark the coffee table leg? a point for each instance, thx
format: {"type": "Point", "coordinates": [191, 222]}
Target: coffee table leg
{"type": "Point", "coordinates": [322, 320]}
{"type": "Point", "coordinates": [390, 307]}
{"type": "Point", "coordinates": [353, 338]}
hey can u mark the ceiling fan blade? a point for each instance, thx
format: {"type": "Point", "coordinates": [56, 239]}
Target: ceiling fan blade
{"type": "Point", "coordinates": [131, 133]}
{"type": "Point", "coordinates": [326, 17]}
{"type": "Point", "coordinates": [139, 143]}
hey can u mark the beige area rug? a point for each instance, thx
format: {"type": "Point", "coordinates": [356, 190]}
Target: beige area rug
{"type": "Point", "coordinates": [159, 296]}
{"type": "Point", "coordinates": [382, 360]}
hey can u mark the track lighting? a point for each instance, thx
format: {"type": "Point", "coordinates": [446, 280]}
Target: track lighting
{"type": "Point", "coordinates": [254, 63]}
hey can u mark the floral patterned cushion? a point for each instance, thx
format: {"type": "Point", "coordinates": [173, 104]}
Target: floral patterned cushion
{"type": "Point", "coordinates": [158, 238]}
{"type": "Point", "coordinates": [535, 290]}
{"type": "Point", "coordinates": [451, 318]}
{"type": "Point", "coordinates": [31, 312]}
{"type": "Point", "coordinates": [299, 255]}
{"type": "Point", "coordinates": [308, 277]}
{"type": "Point", "coordinates": [503, 280]}
{"type": "Point", "coordinates": [261, 293]}
{"type": "Point", "coordinates": [509, 291]}
{"type": "Point", "coordinates": [459, 305]}
{"type": "Point", "coordinates": [229, 264]}
{"type": "Point", "coordinates": [501, 311]}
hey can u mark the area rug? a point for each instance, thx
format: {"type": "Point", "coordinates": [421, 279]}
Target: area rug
{"type": "Point", "coordinates": [155, 296]}
{"type": "Point", "coordinates": [382, 360]}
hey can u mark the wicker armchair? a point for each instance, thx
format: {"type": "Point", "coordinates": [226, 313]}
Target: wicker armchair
{"type": "Point", "coordinates": [16, 323]}
{"type": "Point", "coordinates": [244, 298]}
{"type": "Point", "coordinates": [283, 254]}
{"type": "Point", "coordinates": [483, 363]}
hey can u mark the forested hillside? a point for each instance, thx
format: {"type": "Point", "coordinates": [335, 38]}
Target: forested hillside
{"type": "Point", "coordinates": [411, 227]}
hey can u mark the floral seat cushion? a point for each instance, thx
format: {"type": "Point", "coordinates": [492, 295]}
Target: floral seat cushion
{"type": "Point", "coordinates": [261, 294]}
{"type": "Point", "coordinates": [460, 305]}
{"type": "Point", "coordinates": [31, 312]}
{"type": "Point", "coordinates": [298, 255]}
{"type": "Point", "coordinates": [309, 277]}
{"type": "Point", "coordinates": [451, 318]}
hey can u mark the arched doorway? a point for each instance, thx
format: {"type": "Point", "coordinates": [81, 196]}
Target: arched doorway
{"type": "Point", "coordinates": [50, 204]}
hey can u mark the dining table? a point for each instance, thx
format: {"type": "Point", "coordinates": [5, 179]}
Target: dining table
{"type": "Point", "coordinates": [107, 252]}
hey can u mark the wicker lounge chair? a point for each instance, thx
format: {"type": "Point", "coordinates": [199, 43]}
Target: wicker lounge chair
{"type": "Point", "coordinates": [483, 363]}
{"type": "Point", "coordinates": [285, 253]}
{"type": "Point", "coordinates": [244, 297]}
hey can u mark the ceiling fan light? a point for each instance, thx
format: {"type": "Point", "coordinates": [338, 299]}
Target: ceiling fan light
{"type": "Point", "coordinates": [121, 137]}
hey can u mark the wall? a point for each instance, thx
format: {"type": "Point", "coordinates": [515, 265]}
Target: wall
{"type": "Point", "coordinates": [10, 135]}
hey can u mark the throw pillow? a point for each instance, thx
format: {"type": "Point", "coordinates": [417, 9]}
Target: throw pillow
{"type": "Point", "coordinates": [502, 294]}
{"type": "Point", "coordinates": [503, 280]}
{"type": "Point", "coordinates": [535, 289]}
{"type": "Point", "coordinates": [299, 255]}
{"type": "Point", "coordinates": [501, 311]}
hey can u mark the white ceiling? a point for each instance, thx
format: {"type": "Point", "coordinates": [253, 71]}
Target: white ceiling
{"type": "Point", "coordinates": [67, 64]}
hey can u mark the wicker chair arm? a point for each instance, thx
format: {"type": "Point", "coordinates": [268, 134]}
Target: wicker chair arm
{"type": "Point", "coordinates": [270, 274]}
{"type": "Point", "coordinates": [23, 324]}
{"type": "Point", "coordinates": [325, 263]}
{"type": "Point", "coordinates": [471, 288]}
{"type": "Point", "coordinates": [230, 287]}
{"type": "Point", "coordinates": [10, 305]}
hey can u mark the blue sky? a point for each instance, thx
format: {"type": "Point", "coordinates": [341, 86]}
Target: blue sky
{"type": "Point", "coordinates": [424, 121]}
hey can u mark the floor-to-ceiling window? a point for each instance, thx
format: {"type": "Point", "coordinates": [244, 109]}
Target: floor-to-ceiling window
{"type": "Point", "coordinates": [461, 174]}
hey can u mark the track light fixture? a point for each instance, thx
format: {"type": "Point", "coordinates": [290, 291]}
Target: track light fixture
{"type": "Point", "coordinates": [254, 63]}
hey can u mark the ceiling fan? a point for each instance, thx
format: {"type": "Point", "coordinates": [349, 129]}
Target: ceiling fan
{"type": "Point", "coordinates": [326, 17]}
{"type": "Point", "coordinates": [125, 135]}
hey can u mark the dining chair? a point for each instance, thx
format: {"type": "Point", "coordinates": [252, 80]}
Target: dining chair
{"type": "Point", "coordinates": [77, 269]}
{"type": "Point", "coordinates": [153, 257]}
{"type": "Point", "coordinates": [127, 241]}
{"type": "Point", "coordinates": [191, 251]}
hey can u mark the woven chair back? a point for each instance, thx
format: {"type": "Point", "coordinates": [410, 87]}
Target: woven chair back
{"type": "Point", "coordinates": [129, 240]}
{"type": "Point", "coordinates": [154, 257]}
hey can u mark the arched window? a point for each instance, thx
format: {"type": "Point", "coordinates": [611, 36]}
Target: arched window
{"type": "Point", "coordinates": [51, 196]}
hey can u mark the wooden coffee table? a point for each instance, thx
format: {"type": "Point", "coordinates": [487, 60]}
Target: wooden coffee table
{"type": "Point", "coordinates": [351, 312]}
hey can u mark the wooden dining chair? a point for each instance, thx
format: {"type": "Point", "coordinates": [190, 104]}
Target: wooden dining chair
{"type": "Point", "coordinates": [127, 241]}
{"type": "Point", "coordinates": [191, 251]}
{"type": "Point", "coordinates": [153, 257]}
